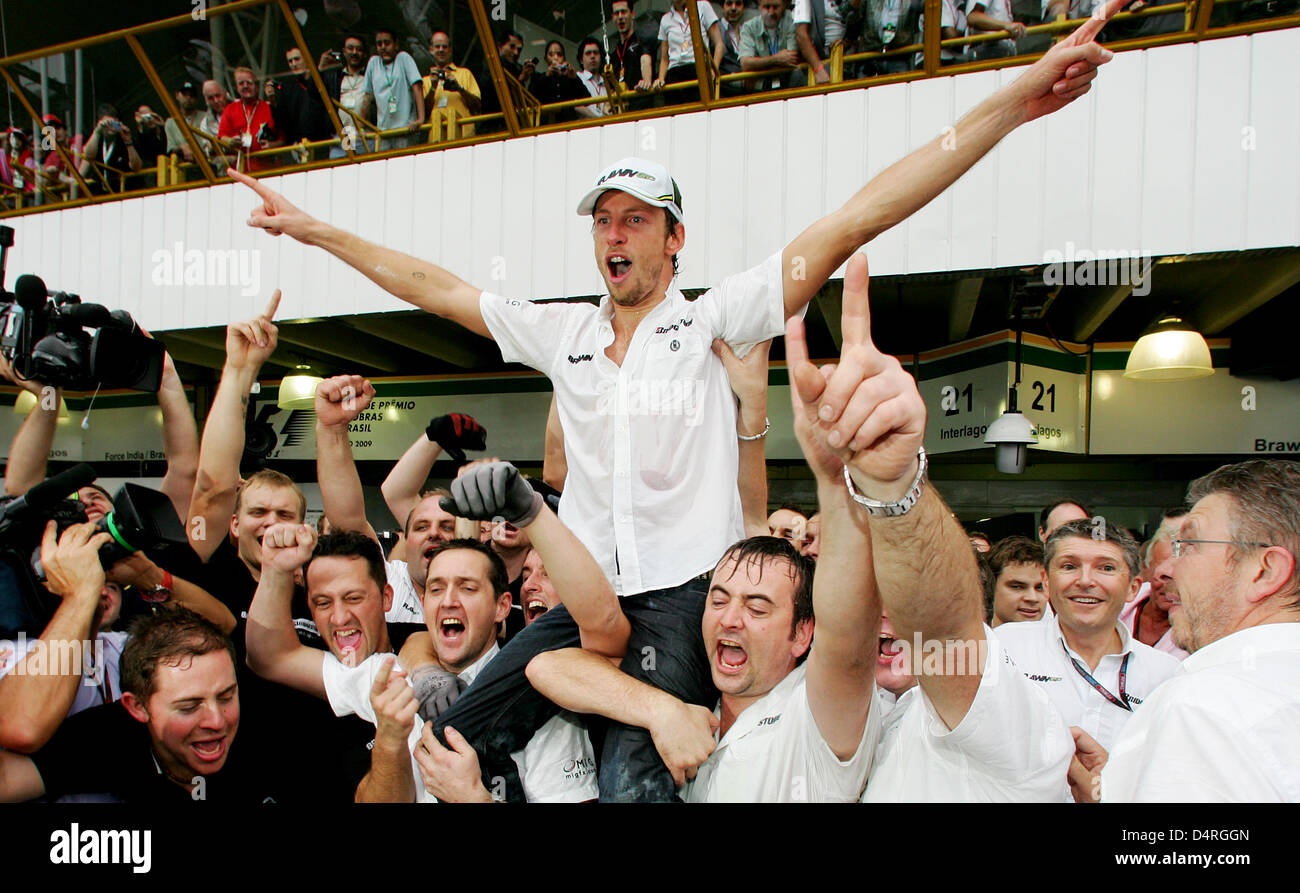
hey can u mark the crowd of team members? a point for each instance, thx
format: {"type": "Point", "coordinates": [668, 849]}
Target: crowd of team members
{"type": "Point", "coordinates": [666, 644]}
{"type": "Point", "coordinates": [283, 616]}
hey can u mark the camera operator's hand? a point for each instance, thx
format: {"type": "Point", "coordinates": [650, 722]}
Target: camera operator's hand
{"type": "Point", "coordinates": [71, 562]}
{"type": "Point", "coordinates": [341, 399]}
{"type": "Point", "coordinates": [30, 385]}
{"type": "Point", "coordinates": [136, 570]}
{"type": "Point", "coordinates": [455, 433]}
{"type": "Point", "coordinates": [492, 491]}
{"type": "Point", "coordinates": [286, 547]}
{"type": "Point", "coordinates": [251, 343]}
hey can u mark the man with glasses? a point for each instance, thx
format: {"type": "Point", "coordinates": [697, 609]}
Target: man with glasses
{"type": "Point", "coordinates": [1227, 730]}
{"type": "Point", "coordinates": [1095, 673]}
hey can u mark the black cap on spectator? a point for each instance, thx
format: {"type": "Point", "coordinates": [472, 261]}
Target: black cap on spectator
{"type": "Point", "coordinates": [188, 87]}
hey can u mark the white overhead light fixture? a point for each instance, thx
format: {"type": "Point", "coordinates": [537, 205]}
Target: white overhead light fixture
{"type": "Point", "coordinates": [1171, 350]}
{"type": "Point", "coordinates": [1012, 433]}
{"type": "Point", "coordinates": [298, 391]}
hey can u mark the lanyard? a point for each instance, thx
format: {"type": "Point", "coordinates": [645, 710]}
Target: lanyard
{"type": "Point", "coordinates": [1122, 700]}
{"type": "Point", "coordinates": [248, 119]}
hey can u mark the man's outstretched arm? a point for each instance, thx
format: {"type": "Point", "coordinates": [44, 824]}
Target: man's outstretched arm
{"type": "Point", "coordinates": [417, 282]}
{"type": "Point", "coordinates": [1061, 76]}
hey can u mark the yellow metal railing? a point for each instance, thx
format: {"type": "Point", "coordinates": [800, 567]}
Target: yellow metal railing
{"type": "Point", "coordinates": [522, 113]}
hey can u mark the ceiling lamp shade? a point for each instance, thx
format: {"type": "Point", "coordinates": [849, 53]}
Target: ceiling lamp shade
{"type": "Point", "coordinates": [1171, 350]}
{"type": "Point", "coordinates": [298, 392]}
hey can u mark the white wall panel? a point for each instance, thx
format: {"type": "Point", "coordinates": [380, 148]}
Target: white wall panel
{"type": "Point", "coordinates": [886, 142]}
{"type": "Point", "coordinates": [1168, 144]}
{"type": "Point", "coordinates": [1018, 205]}
{"type": "Point", "coordinates": [1153, 159]}
{"type": "Point", "coordinates": [1222, 104]}
{"type": "Point", "coordinates": [974, 195]}
{"type": "Point", "coordinates": [1274, 114]}
{"type": "Point", "coordinates": [929, 111]}
{"type": "Point", "coordinates": [1115, 216]}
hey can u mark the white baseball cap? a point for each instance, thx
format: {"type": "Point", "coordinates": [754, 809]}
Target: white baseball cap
{"type": "Point", "coordinates": [646, 180]}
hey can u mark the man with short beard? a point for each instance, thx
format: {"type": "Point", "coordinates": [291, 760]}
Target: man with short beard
{"type": "Point", "coordinates": [346, 85]}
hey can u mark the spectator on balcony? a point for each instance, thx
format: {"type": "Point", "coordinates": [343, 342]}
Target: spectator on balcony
{"type": "Point", "coordinates": [299, 109]}
{"type": "Point", "coordinates": [393, 90]}
{"type": "Point", "coordinates": [346, 85]}
{"type": "Point", "coordinates": [818, 27]}
{"type": "Point", "coordinates": [733, 17]}
{"type": "Point", "coordinates": [592, 56]}
{"type": "Point", "coordinates": [249, 125]}
{"type": "Point", "coordinates": [767, 44]}
{"type": "Point", "coordinates": [677, 48]}
{"type": "Point", "coordinates": [187, 99]}
{"type": "Point", "coordinates": [559, 83]}
{"type": "Point", "coordinates": [110, 145]}
{"type": "Point", "coordinates": [631, 60]}
{"type": "Point", "coordinates": [952, 24]}
{"type": "Point", "coordinates": [509, 46]}
{"type": "Point", "coordinates": [450, 86]}
{"type": "Point", "coordinates": [16, 161]}
{"type": "Point", "coordinates": [151, 139]}
{"type": "Point", "coordinates": [216, 99]}
{"type": "Point", "coordinates": [984, 16]}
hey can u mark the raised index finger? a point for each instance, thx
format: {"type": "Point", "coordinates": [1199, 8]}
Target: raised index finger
{"type": "Point", "coordinates": [855, 313]}
{"type": "Point", "coordinates": [381, 678]}
{"type": "Point", "coordinates": [272, 305]}
{"type": "Point", "coordinates": [260, 188]}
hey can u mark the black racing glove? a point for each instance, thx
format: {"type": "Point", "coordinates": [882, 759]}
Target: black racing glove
{"type": "Point", "coordinates": [435, 689]}
{"type": "Point", "coordinates": [491, 491]}
{"type": "Point", "coordinates": [456, 433]}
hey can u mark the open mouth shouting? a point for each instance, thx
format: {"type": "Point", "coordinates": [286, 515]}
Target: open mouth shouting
{"type": "Point", "coordinates": [348, 640]}
{"type": "Point", "coordinates": [534, 606]}
{"type": "Point", "coordinates": [618, 266]}
{"type": "Point", "coordinates": [210, 750]}
{"type": "Point", "coordinates": [891, 650]}
{"type": "Point", "coordinates": [730, 655]}
{"type": "Point", "coordinates": [451, 629]}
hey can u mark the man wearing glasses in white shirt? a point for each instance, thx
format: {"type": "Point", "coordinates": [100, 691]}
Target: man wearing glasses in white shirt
{"type": "Point", "coordinates": [1227, 730]}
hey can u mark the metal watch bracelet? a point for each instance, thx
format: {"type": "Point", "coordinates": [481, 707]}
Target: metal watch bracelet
{"type": "Point", "coordinates": [891, 509]}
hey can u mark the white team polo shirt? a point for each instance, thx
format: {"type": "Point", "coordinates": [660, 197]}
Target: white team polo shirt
{"type": "Point", "coordinates": [556, 766]}
{"type": "Point", "coordinates": [774, 753]}
{"type": "Point", "coordinates": [675, 28]}
{"type": "Point", "coordinates": [1040, 651]}
{"type": "Point", "coordinates": [651, 445]}
{"type": "Point", "coordinates": [1011, 746]}
{"type": "Point", "coordinates": [1226, 730]}
{"type": "Point", "coordinates": [407, 606]}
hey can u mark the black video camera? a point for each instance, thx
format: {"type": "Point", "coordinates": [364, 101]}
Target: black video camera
{"type": "Point", "coordinates": [142, 519]}
{"type": "Point", "coordinates": [45, 337]}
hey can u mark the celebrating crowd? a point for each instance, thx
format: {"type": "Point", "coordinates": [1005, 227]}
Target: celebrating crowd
{"type": "Point", "coordinates": [662, 638]}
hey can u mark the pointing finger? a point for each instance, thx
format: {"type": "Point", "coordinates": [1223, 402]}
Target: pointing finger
{"type": "Point", "coordinates": [855, 317]}
{"type": "Point", "coordinates": [272, 305]}
{"type": "Point", "coordinates": [381, 678]}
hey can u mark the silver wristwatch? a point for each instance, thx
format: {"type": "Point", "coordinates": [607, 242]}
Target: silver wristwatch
{"type": "Point", "coordinates": [891, 509]}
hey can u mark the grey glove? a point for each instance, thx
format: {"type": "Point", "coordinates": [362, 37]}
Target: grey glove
{"type": "Point", "coordinates": [493, 491]}
{"type": "Point", "coordinates": [435, 689]}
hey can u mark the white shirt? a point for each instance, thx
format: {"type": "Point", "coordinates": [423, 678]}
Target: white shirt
{"type": "Point", "coordinates": [675, 27]}
{"type": "Point", "coordinates": [556, 766]}
{"type": "Point", "coordinates": [832, 25]}
{"type": "Point", "coordinates": [1040, 651]}
{"type": "Point", "coordinates": [1226, 730]}
{"type": "Point", "coordinates": [595, 84]}
{"type": "Point", "coordinates": [100, 668]}
{"type": "Point", "coordinates": [1011, 746]}
{"type": "Point", "coordinates": [774, 753]}
{"type": "Point", "coordinates": [1079, 9]}
{"type": "Point", "coordinates": [651, 489]}
{"type": "Point", "coordinates": [408, 605]}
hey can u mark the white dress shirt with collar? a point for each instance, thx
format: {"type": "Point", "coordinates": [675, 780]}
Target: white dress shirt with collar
{"type": "Point", "coordinates": [1228, 730]}
{"type": "Point", "coordinates": [1040, 651]}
